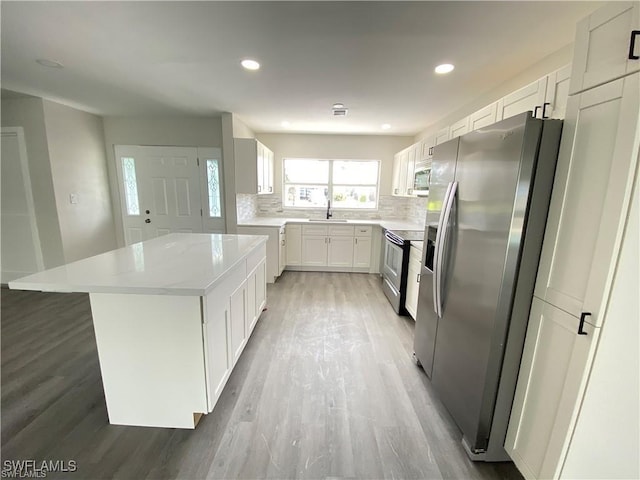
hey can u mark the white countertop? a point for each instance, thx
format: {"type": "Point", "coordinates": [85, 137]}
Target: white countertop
{"type": "Point", "coordinates": [280, 221]}
{"type": "Point", "coordinates": [174, 264]}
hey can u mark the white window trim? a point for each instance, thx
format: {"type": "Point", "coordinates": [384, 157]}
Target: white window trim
{"type": "Point", "coordinates": [330, 184]}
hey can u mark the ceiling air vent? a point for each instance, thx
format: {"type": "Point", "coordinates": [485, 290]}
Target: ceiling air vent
{"type": "Point", "coordinates": [340, 112]}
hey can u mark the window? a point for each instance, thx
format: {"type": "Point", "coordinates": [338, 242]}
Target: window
{"type": "Point", "coordinates": [130, 185]}
{"type": "Point", "coordinates": [213, 188]}
{"type": "Point", "coordinates": [351, 184]}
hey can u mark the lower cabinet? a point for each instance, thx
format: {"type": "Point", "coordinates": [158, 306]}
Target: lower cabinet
{"type": "Point", "coordinates": [275, 248]}
{"type": "Point", "coordinates": [553, 375]}
{"type": "Point", "coordinates": [293, 244]}
{"type": "Point", "coordinates": [413, 281]}
{"type": "Point", "coordinates": [331, 247]}
{"type": "Point", "coordinates": [230, 312]}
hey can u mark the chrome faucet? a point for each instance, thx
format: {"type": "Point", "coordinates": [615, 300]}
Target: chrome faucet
{"type": "Point", "coordinates": [329, 214]}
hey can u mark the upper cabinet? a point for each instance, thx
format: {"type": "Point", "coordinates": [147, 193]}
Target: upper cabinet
{"type": "Point", "coordinates": [404, 165]}
{"type": "Point", "coordinates": [607, 45]}
{"type": "Point", "coordinates": [442, 135]}
{"type": "Point", "coordinates": [254, 166]}
{"type": "Point", "coordinates": [555, 105]}
{"type": "Point", "coordinates": [527, 98]}
{"type": "Point", "coordinates": [484, 117]}
{"type": "Point", "coordinates": [459, 128]}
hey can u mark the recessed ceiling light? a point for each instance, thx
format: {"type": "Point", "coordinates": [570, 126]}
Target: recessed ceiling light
{"type": "Point", "coordinates": [49, 63]}
{"type": "Point", "coordinates": [385, 126]}
{"type": "Point", "coordinates": [444, 68]}
{"type": "Point", "coordinates": [338, 106]}
{"type": "Point", "coordinates": [250, 64]}
{"type": "Point", "coordinates": [286, 124]}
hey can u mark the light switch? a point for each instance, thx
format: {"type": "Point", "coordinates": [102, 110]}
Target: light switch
{"type": "Point", "coordinates": [74, 198]}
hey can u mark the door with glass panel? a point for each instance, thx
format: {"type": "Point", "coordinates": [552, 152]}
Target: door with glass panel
{"type": "Point", "coordinates": [169, 189]}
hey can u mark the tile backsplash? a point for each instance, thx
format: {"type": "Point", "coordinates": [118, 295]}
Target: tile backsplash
{"type": "Point", "coordinates": [400, 208]}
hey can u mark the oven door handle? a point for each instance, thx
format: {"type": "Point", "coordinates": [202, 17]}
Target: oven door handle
{"type": "Point", "coordinates": [436, 289]}
{"type": "Point", "coordinates": [440, 246]}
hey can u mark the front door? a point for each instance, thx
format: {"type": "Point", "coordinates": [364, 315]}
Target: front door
{"type": "Point", "coordinates": [164, 190]}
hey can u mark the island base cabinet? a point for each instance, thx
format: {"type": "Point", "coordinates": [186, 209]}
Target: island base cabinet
{"type": "Point", "coordinates": [151, 372]}
{"type": "Point", "coordinates": [552, 379]}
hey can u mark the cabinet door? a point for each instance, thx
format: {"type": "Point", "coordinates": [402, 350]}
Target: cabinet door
{"type": "Point", "coordinates": [527, 98]}
{"type": "Point", "coordinates": [314, 250]}
{"type": "Point", "coordinates": [294, 244]}
{"type": "Point", "coordinates": [252, 311]}
{"type": "Point", "coordinates": [283, 250]}
{"type": "Point", "coordinates": [362, 252]}
{"type": "Point", "coordinates": [268, 169]}
{"type": "Point", "coordinates": [442, 135]}
{"type": "Point", "coordinates": [260, 161]}
{"type": "Point", "coordinates": [340, 252]}
{"type": "Point", "coordinates": [413, 282]}
{"type": "Point", "coordinates": [412, 155]}
{"type": "Point", "coordinates": [261, 293]}
{"type": "Point", "coordinates": [551, 382]}
{"type": "Point", "coordinates": [395, 182]}
{"type": "Point", "coordinates": [483, 117]}
{"type": "Point", "coordinates": [590, 196]}
{"type": "Point", "coordinates": [603, 45]}
{"type": "Point", "coordinates": [216, 330]}
{"type": "Point", "coordinates": [459, 128]}
{"type": "Point", "coordinates": [557, 93]}
{"type": "Point", "coordinates": [238, 322]}
{"type": "Point", "coordinates": [427, 144]}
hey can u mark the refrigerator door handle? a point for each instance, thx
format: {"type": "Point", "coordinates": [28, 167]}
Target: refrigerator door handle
{"type": "Point", "coordinates": [436, 257]}
{"type": "Point", "coordinates": [440, 246]}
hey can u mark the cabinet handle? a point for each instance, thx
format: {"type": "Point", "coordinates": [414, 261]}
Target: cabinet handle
{"type": "Point", "coordinates": [270, 189]}
{"type": "Point", "coordinates": [583, 316]}
{"type": "Point", "coordinates": [430, 150]}
{"type": "Point", "coordinates": [535, 111]}
{"type": "Point", "coordinates": [632, 45]}
{"type": "Point", "coordinates": [395, 191]}
{"type": "Point", "coordinates": [356, 239]}
{"type": "Point", "coordinates": [259, 188]}
{"type": "Point", "coordinates": [544, 109]}
{"type": "Point", "coordinates": [418, 278]}
{"type": "Point", "coordinates": [283, 243]}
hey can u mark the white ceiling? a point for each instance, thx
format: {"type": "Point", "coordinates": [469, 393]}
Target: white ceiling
{"type": "Point", "coordinates": [182, 58]}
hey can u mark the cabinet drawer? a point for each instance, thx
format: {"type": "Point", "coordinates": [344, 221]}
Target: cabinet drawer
{"type": "Point", "coordinates": [363, 231]}
{"type": "Point", "coordinates": [314, 229]}
{"type": "Point", "coordinates": [340, 230]}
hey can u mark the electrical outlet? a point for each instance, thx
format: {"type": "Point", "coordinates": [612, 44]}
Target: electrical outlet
{"type": "Point", "coordinates": [74, 198]}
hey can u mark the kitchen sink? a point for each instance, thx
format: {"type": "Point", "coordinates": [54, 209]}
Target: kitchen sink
{"type": "Point", "coordinates": [330, 220]}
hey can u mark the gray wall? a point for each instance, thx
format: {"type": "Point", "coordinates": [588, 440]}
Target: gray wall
{"type": "Point", "coordinates": [79, 167]}
{"type": "Point", "coordinates": [28, 113]}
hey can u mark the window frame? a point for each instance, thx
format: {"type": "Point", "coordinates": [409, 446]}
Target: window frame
{"type": "Point", "coordinates": [330, 184]}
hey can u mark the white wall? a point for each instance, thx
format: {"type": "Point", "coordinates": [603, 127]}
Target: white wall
{"type": "Point", "coordinates": [606, 441]}
{"type": "Point", "coordinates": [363, 147]}
{"type": "Point", "coordinates": [553, 62]}
{"type": "Point", "coordinates": [78, 166]}
{"type": "Point", "coordinates": [28, 113]}
{"type": "Point", "coordinates": [161, 131]}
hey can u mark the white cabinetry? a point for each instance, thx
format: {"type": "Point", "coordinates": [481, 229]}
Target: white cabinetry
{"type": "Point", "coordinates": [362, 247]}
{"type": "Point", "coordinates": [591, 195]}
{"type": "Point", "coordinates": [484, 117]}
{"type": "Point", "coordinates": [442, 135]}
{"type": "Point", "coordinates": [282, 257]}
{"type": "Point", "coordinates": [459, 128]}
{"type": "Point", "coordinates": [603, 45]}
{"type": "Point", "coordinates": [527, 98]}
{"type": "Point", "coordinates": [294, 244]}
{"type": "Point", "coordinates": [341, 248]}
{"type": "Point", "coordinates": [591, 187]}
{"type": "Point", "coordinates": [274, 247]}
{"type": "Point", "coordinates": [413, 279]}
{"type": "Point", "coordinates": [557, 93]}
{"type": "Point", "coordinates": [554, 369]}
{"type": "Point", "coordinates": [404, 166]}
{"type": "Point", "coordinates": [254, 165]}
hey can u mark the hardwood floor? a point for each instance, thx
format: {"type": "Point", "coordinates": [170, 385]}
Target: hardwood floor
{"type": "Point", "coordinates": [324, 389]}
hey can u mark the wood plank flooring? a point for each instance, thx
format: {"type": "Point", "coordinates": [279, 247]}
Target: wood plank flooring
{"type": "Point", "coordinates": [324, 389]}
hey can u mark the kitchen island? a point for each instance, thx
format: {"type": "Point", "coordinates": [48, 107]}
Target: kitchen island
{"type": "Point", "coordinates": [171, 317]}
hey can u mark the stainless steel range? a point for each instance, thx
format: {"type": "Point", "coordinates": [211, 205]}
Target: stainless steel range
{"type": "Point", "coordinates": [394, 266]}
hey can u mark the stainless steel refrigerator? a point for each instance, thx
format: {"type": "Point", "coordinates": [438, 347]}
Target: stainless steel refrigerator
{"type": "Point", "coordinates": [487, 209]}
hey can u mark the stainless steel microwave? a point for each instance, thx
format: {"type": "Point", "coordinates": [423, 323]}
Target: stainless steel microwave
{"type": "Point", "coordinates": [421, 180]}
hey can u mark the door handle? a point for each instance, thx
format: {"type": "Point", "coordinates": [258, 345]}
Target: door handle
{"type": "Point", "coordinates": [544, 109]}
{"type": "Point", "coordinates": [147, 220]}
{"type": "Point", "coordinates": [632, 45]}
{"type": "Point", "coordinates": [583, 316]}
